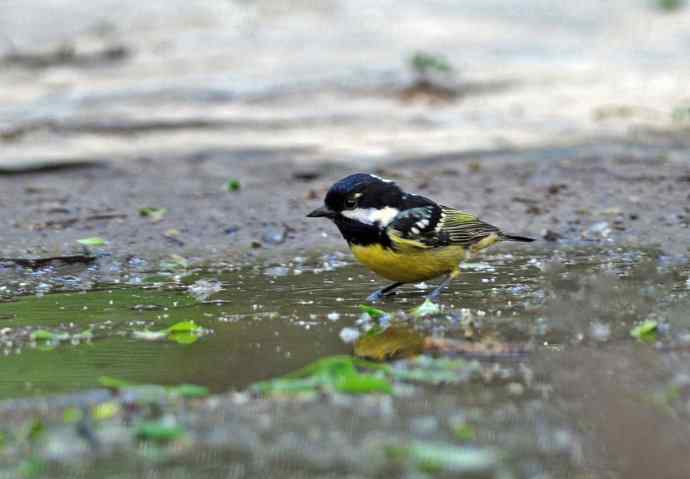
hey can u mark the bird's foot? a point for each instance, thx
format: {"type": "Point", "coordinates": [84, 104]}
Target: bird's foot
{"type": "Point", "coordinates": [376, 296]}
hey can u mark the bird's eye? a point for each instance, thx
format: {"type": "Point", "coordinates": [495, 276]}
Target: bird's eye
{"type": "Point", "coordinates": [350, 203]}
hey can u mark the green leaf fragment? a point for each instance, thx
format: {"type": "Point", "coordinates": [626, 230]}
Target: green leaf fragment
{"type": "Point", "coordinates": [154, 214]}
{"type": "Point", "coordinates": [645, 331]}
{"type": "Point", "coordinates": [335, 373]}
{"type": "Point", "coordinates": [423, 63]}
{"type": "Point", "coordinates": [106, 410]}
{"type": "Point", "coordinates": [363, 384]}
{"type": "Point", "coordinates": [113, 383]}
{"type": "Point", "coordinates": [184, 327]}
{"type": "Point", "coordinates": [72, 415]}
{"type": "Point", "coordinates": [42, 335]}
{"type": "Point", "coordinates": [158, 432]}
{"type": "Point", "coordinates": [437, 457]}
{"type": "Point", "coordinates": [375, 313]}
{"type": "Point", "coordinates": [427, 308]}
{"type": "Point", "coordinates": [233, 184]}
{"type": "Point", "coordinates": [189, 391]}
{"type": "Point", "coordinates": [184, 332]}
{"type": "Point", "coordinates": [31, 467]}
{"type": "Point", "coordinates": [465, 432]}
{"type": "Point", "coordinates": [93, 241]}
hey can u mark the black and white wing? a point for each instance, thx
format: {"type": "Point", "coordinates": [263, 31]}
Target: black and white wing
{"type": "Point", "coordinates": [433, 226]}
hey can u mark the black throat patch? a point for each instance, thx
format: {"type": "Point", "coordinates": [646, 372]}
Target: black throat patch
{"type": "Point", "coordinates": [361, 234]}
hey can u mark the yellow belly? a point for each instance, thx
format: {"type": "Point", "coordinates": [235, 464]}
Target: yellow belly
{"type": "Point", "coordinates": [414, 265]}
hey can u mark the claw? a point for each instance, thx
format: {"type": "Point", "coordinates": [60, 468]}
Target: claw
{"type": "Point", "coordinates": [375, 297]}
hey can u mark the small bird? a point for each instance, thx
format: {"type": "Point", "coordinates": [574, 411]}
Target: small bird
{"type": "Point", "coordinates": [404, 237]}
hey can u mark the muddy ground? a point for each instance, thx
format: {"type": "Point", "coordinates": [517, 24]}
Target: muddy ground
{"type": "Point", "coordinates": [632, 192]}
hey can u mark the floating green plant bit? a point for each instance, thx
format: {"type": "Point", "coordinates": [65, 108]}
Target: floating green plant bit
{"type": "Point", "coordinates": [113, 383]}
{"type": "Point", "coordinates": [31, 467]}
{"type": "Point", "coordinates": [465, 432]}
{"type": "Point", "coordinates": [158, 431]}
{"type": "Point", "coordinates": [181, 390]}
{"type": "Point", "coordinates": [374, 313]}
{"type": "Point", "coordinates": [93, 241]}
{"type": "Point", "coordinates": [670, 5]}
{"type": "Point", "coordinates": [424, 63]}
{"type": "Point", "coordinates": [233, 184]}
{"type": "Point", "coordinates": [645, 331]}
{"type": "Point", "coordinates": [106, 410]}
{"type": "Point", "coordinates": [442, 457]}
{"type": "Point", "coordinates": [44, 335]}
{"type": "Point", "coordinates": [72, 415]}
{"type": "Point", "coordinates": [334, 373]}
{"type": "Point", "coordinates": [154, 214]}
{"type": "Point", "coordinates": [188, 391]}
{"type": "Point", "coordinates": [184, 332]}
{"type": "Point", "coordinates": [427, 308]}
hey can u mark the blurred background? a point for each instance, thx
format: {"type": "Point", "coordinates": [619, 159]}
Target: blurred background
{"type": "Point", "coordinates": [337, 80]}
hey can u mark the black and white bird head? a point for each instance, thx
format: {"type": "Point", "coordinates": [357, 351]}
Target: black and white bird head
{"type": "Point", "coordinates": [362, 206]}
{"type": "Point", "coordinates": [362, 198]}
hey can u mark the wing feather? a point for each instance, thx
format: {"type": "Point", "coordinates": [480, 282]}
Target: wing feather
{"type": "Point", "coordinates": [434, 226]}
{"type": "Point", "coordinates": [464, 228]}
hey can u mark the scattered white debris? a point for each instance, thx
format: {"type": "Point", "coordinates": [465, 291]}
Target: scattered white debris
{"type": "Point", "coordinates": [202, 289]}
{"type": "Point", "coordinates": [333, 316]}
{"type": "Point", "coordinates": [349, 335]}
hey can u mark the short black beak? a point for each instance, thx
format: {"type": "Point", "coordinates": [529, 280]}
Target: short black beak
{"type": "Point", "coordinates": [322, 212]}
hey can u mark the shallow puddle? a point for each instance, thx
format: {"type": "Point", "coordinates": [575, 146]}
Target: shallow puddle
{"type": "Point", "coordinates": [267, 321]}
{"type": "Point", "coordinates": [575, 311]}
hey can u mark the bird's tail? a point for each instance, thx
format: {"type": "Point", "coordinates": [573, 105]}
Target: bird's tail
{"type": "Point", "coordinates": [524, 239]}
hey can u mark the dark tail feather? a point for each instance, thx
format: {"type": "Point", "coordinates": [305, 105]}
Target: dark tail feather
{"type": "Point", "coordinates": [524, 239]}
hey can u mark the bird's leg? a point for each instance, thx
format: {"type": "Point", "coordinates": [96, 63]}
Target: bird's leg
{"type": "Point", "coordinates": [436, 293]}
{"type": "Point", "coordinates": [380, 293]}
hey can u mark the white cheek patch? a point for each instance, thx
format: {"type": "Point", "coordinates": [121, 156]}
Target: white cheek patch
{"type": "Point", "coordinates": [382, 216]}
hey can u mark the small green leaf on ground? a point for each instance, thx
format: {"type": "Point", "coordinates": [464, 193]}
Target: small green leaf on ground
{"type": "Point", "coordinates": [363, 384]}
{"type": "Point", "coordinates": [465, 432]}
{"type": "Point", "coordinates": [334, 373]}
{"type": "Point", "coordinates": [33, 431]}
{"type": "Point", "coordinates": [158, 431]}
{"type": "Point", "coordinates": [645, 331]}
{"type": "Point", "coordinates": [43, 335]}
{"type": "Point", "coordinates": [233, 184]}
{"type": "Point", "coordinates": [374, 313]}
{"type": "Point", "coordinates": [184, 327]}
{"type": "Point", "coordinates": [670, 5]}
{"type": "Point", "coordinates": [113, 383]}
{"type": "Point", "coordinates": [72, 415]}
{"type": "Point", "coordinates": [31, 467]}
{"type": "Point", "coordinates": [442, 457]}
{"type": "Point", "coordinates": [106, 410]}
{"type": "Point", "coordinates": [154, 214]}
{"type": "Point", "coordinates": [427, 308]}
{"type": "Point", "coordinates": [426, 63]}
{"type": "Point", "coordinates": [93, 241]}
{"type": "Point", "coordinates": [189, 391]}
{"type": "Point", "coordinates": [184, 332]}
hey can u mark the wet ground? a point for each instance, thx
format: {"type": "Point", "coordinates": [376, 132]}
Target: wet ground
{"type": "Point", "coordinates": [160, 285]}
{"type": "Point", "coordinates": [550, 367]}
